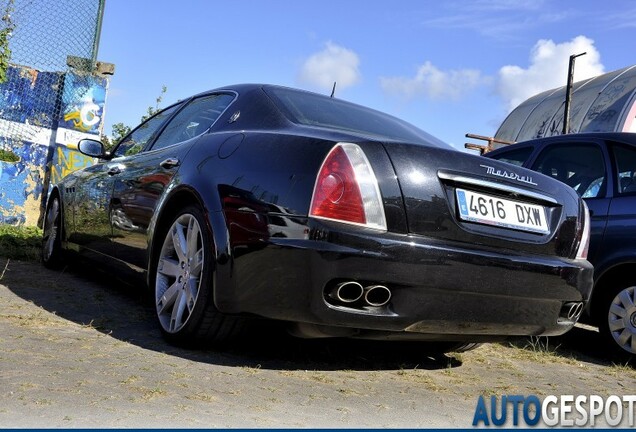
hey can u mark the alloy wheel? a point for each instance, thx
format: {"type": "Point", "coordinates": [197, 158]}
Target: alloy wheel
{"type": "Point", "coordinates": [179, 271]}
{"type": "Point", "coordinates": [51, 230]}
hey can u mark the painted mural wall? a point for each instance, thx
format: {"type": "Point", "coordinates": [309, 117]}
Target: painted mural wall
{"type": "Point", "coordinates": [42, 117]}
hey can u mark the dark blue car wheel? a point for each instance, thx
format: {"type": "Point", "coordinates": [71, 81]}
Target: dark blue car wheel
{"type": "Point", "coordinates": [618, 326]}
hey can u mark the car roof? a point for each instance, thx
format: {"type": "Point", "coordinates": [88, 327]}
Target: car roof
{"type": "Point", "coordinates": [627, 138]}
{"type": "Point", "coordinates": [246, 87]}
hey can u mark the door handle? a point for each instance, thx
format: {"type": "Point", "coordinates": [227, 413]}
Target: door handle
{"type": "Point", "coordinates": [170, 163]}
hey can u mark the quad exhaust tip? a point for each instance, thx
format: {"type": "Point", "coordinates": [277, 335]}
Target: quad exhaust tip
{"type": "Point", "coordinates": [377, 295]}
{"type": "Point", "coordinates": [571, 311]}
{"type": "Point", "coordinates": [350, 292]}
{"type": "Point", "coordinates": [347, 292]}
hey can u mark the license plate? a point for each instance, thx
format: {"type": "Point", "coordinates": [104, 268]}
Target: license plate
{"type": "Point", "coordinates": [490, 210]}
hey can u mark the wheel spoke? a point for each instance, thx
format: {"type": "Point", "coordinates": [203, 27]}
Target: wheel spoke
{"type": "Point", "coordinates": [179, 241]}
{"type": "Point", "coordinates": [626, 299]}
{"type": "Point", "coordinates": [176, 321]}
{"type": "Point", "coordinates": [618, 310]}
{"type": "Point", "coordinates": [167, 300]}
{"type": "Point", "coordinates": [616, 325]}
{"type": "Point", "coordinates": [168, 267]}
{"type": "Point", "coordinates": [192, 289]}
{"type": "Point", "coordinates": [193, 238]}
{"type": "Point", "coordinates": [196, 265]}
{"type": "Point", "coordinates": [624, 337]}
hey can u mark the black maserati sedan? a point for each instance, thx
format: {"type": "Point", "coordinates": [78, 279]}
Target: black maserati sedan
{"type": "Point", "coordinates": [341, 221]}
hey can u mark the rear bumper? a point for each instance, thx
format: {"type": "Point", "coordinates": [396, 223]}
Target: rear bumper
{"type": "Point", "coordinates": [440, 291]}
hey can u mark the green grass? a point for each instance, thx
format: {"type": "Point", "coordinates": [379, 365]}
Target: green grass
{"type": "Point", "coordinates": [20, 243]}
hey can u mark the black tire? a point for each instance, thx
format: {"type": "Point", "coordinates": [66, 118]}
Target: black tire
{"type": "Point", "coordinates": [616, 318]}
{"type": "Point", "coordinates": [183, 285]}
{"type": "Point", "coordinates": [52, 254]}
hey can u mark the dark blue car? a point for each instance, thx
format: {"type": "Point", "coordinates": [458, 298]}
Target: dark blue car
{"type": "Point", "coordinates": [601, 167]}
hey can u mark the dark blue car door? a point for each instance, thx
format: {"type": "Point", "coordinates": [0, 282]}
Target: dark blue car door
{"type": "Point", "coordinates": [619, 243]}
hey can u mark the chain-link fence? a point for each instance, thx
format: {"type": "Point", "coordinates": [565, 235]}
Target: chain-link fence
{"type": "Point", "coordinates": [52, 96]}
{"type": "Point", "coordinates": [47, 32]}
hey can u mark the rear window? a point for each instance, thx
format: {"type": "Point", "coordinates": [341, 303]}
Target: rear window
{"type": "Point", "coordinates": [311, 109]}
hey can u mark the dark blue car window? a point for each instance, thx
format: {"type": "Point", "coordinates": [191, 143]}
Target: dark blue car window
{"type": "Point", "coordinates": [626, 167]}
{"type": "Point", "coordinates": [579, 165]}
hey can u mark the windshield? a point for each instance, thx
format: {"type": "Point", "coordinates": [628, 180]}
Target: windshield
{"type": "Point", "coordinates": [311, 109]}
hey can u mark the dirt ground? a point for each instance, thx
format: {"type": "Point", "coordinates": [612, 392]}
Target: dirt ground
{"type": "Point", "coordinates": [80, 349]}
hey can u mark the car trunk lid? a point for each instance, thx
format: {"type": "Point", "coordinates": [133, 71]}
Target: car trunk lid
{"type": "Point", "coordinates": [466, 198]}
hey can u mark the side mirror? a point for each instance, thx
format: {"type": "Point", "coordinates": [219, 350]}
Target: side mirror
{"type": "Point", "coordinates": [92, 148]}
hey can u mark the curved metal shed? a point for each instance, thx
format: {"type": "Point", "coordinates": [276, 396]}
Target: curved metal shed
{"type": "Point", "coordinates": [605, 103]}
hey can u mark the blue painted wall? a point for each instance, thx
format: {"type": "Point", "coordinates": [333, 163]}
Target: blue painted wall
{"type": "Point", "coordinates": [42, 117]}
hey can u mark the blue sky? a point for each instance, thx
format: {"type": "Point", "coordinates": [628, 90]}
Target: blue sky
{"type": "Point", "coordinates": [449, 67]}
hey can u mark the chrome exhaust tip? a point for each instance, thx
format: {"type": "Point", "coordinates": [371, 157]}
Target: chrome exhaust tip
{"type": "Point", "coordinates": [572, 311]}
{"type": "Point", "coordinates": [377, 295]}
{"type": "Point", "coordinates": [347, 292]}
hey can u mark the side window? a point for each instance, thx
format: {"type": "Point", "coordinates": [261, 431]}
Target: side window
{"type": "Point", "coordinates": [626, 166]}
{"type": "Point", "coordinates": [134, 142]}
{"type": "Point", "coordinates": [516, 157]}
{"type": "Point", "coordinates": [581, 166]}
{"type": "Point", "coordinates": [193, 120]}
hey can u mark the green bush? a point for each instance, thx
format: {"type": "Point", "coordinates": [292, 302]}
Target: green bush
{"type": "Point", "coordinates": [18, 242]}
{"type": "Point", "coordinates": [8, 156]}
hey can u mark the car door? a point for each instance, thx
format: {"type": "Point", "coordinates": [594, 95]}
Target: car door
{"type": "Point", "coordinates": [584, 167]}
{"type": "Point", "coordinates": [87, 194]}
{"type": "Point", "coordinates": [620, 235]}
{"type": "Point", "coordinates": [144, 176]}
{"type": "Point", "coordinates": [93, 188]}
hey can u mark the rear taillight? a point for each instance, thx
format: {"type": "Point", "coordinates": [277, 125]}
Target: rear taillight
{"type": "Point", "coordinates": [346, 189]}
{"type": "Point", "coordinates": [584, 244]}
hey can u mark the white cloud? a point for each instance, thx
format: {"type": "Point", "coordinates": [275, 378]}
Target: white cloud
{"type": "Point", "coordinates": [548, 69]}
{"type": "Point", "coordinates": [433, 83]}
{"type": "Point", "coordinates": [333, 64]}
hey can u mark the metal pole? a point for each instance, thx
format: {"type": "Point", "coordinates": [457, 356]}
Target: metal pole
{"type": "Point", "coordinates": [568, 93]}
{"type": "Point", "coordinates": [98, 32]}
